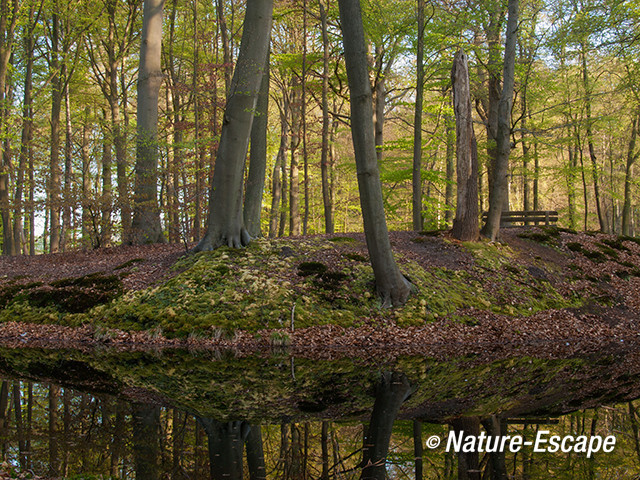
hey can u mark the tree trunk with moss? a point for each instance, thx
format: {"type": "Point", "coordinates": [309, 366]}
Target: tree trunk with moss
{"type": "Point", "coordinates": [391, 286]}
{"type": "Point", "coordinates": [225, 224]}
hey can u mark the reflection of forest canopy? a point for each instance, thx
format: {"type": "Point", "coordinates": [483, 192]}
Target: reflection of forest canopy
{"type": "Point", "coordinates": [101, 435]}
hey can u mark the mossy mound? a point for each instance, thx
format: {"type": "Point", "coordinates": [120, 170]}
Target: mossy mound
{"type": "Point", "coordinates": [294, 283]}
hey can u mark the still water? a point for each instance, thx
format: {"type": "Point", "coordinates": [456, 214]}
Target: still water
{"type": "Point", "coordinates": [201, 415]}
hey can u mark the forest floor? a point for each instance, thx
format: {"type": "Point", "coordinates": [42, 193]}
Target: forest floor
{"type": "Point", "coordinates": [537, 291]}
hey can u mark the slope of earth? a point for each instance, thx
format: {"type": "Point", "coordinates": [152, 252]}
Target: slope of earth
{"type": "Point", "coordinates": [317, 293]}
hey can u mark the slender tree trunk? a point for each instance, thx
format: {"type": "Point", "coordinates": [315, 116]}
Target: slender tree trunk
{"type": "Point", "coordinates": [417, 125]}
{"type": "Point", "coordinates": [498, 193]}
{"type": "Point", "coordinates": [226, 441]}
{"type": "Point", "coordinates": [451, 167]}
{"type": "Point", "coordinates": [226, 49]}
{"type": "Point", "coordinates": [257, 159]}
{"type": "Point", "coordinates": [145, 227]}
{"type": "Point", "coordinates": [27, 130]}
{"type": "Point", "coordinates": [604, 228]}
{"type": "Point", "coordinates": [294, 167]}
{"type": "Point", "coordinates": [632, 156]}
{"type": "Point", "coordinates": [54, 158]}
{"type": "Point", "coordinates": [225, 225]}
{"type": "Point", "coordinates": [88, 234]}
{"type": "Point", "coordinates": [391, 286]}
{"type": "Point", "coordinates": [324, 445]}
{"type": "Point", "coordinates": [106, 201]}
{"type": "Point", "coordinates": [465, 225]}
{"type": "Point", "coordinates": [67, 210]}
{"type": "Point", "coordinates": [325, 164]}
{"type": "Point", "coordinates": [54, 448]}
{"type": "Point", "coordinates": [9, 12]}
{"type": "Point", "coordinates": [303, 106]}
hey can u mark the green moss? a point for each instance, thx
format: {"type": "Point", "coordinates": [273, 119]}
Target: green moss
{"type": "Point", "coordinates": [615, 244]}
{"type": "Point", "coordinates": [311, 268]}
{"type": "Point", "coordinates": [595, 256]}
{"type": "Point", "coordinates": [356, 257]}
{"type": "Point", "coordinates": [342, 240]}
{"type": "Point", "coordinates": [575, 247]}
{"type": "Point", "coordinates": [607, 250]}
{"type": "Point", "coordinates": [539, 237]}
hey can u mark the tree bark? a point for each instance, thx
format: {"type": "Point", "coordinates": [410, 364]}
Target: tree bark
{"type": "Point", "coordinates": [225, 225]}
{"type": "Point", "coordinates": [468, 462]}
{"type": "Point", "coordinates": [54, 157]}
{"type": "Point", "coordinates": [498, 192]}
{"type": "Point", "coordinates": [257, 159]}
{"type": "Point", "coordinates": [465, 224]}
{"type": "Point", "coordinates": [416, 179]}
{"type": "Point", "coordinates": [391, 286]}
{"type": "Point", "coordinates": [145, 227]}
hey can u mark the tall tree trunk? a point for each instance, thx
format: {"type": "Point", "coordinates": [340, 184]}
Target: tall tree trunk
{"type": "Point", "coordinates": [632, 156]}
{"type": "Point", "coordinates": [465, 225]}
{"type": "Point", "coordinates": [88, 234]}
{"type": "Point", "coordinates": [257, 159]}
{"type": "Point", "coordinates": [294, 167]}
{"type": "Point", "coordinates": [54, 447]}
{"type": "Point", "coordinates": [68, 208]}
{"type": "Point", "coordinates": [468, 462]}
{"type": "Point", "coordinates": [54, 158]}
{"type": "Point", "coordinates": [9, 12]}
{"type": "Point", "coordinates": [391, 286]}
{"type": "Point", "coordinates": [303, 106]}
{"type": "Point", "coordinates": [145, 227]}
{"type": "Point", "coordinates": [451, 166]}
{"type": "Point", "coordinates": [225, 225]}
{"type": "Point", "coordinates": [604, 228]}
{"type": "Point", "coordinates": [325, 164]}
{"type": "Point", "coordinates": [27, 129]}
{"type": "Point", "coordinates": [498, 193]}
{"type": "Point", "coordinates": [277, 182]}
{"type": "Point", "coordinates": [417, 125]}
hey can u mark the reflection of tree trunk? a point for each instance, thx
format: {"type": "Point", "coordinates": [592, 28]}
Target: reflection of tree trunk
{"type": "Point", "coordinates": [324, 440]}
{"type": "Point", "coordinates": [417, 447]}
{"type": "Point", "coordinates": [468, 462]}
{"type": "Point", "coordinates": [146, 429]}
{"type": "Point", "coordinates": [118, 437]}
{"type": "Point", "coordinates": [17, 409]}
{"type": "Point", "coordinates": [392, 390]}
{"type": "Point", "coordinates": [633, 417]}
{"type": "Point", "coordinates": [497, 465]}
{"type": "Point", "coordinates": [255, 454]}
{"type": "Point", "coordinates": [226, 444]}
{"type": "Point", "coordinates": [54, 460]}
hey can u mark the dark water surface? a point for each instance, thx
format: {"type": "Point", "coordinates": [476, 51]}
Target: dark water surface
{"type": "Point", "coordinates": [199, 415]}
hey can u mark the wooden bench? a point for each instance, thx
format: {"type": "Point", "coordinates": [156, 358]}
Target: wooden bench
{"type": "Point", "coordinates": [508, 218]}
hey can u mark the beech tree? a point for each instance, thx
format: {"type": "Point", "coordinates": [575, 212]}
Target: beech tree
{"type": "Point", "coordinates": [146, 227]}
{"type": "Point", "coordinates": [391, 285]}
{"type": "Point", "coordinates": [225, 224]}
{"type": "Point", "coordinates": [498, 190]}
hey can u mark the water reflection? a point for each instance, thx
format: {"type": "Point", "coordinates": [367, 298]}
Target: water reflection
{"type": "Point", "coordinates": [58, 432]}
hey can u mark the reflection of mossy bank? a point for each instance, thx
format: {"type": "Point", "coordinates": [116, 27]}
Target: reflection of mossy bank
{"type": "Point", "coordinates": [304, 282]}
{"type": "Point", "coordinates": [280, 387]}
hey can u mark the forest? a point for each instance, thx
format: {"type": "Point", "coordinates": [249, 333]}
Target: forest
{"type": "Point", "coordinates": [70, 116]}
